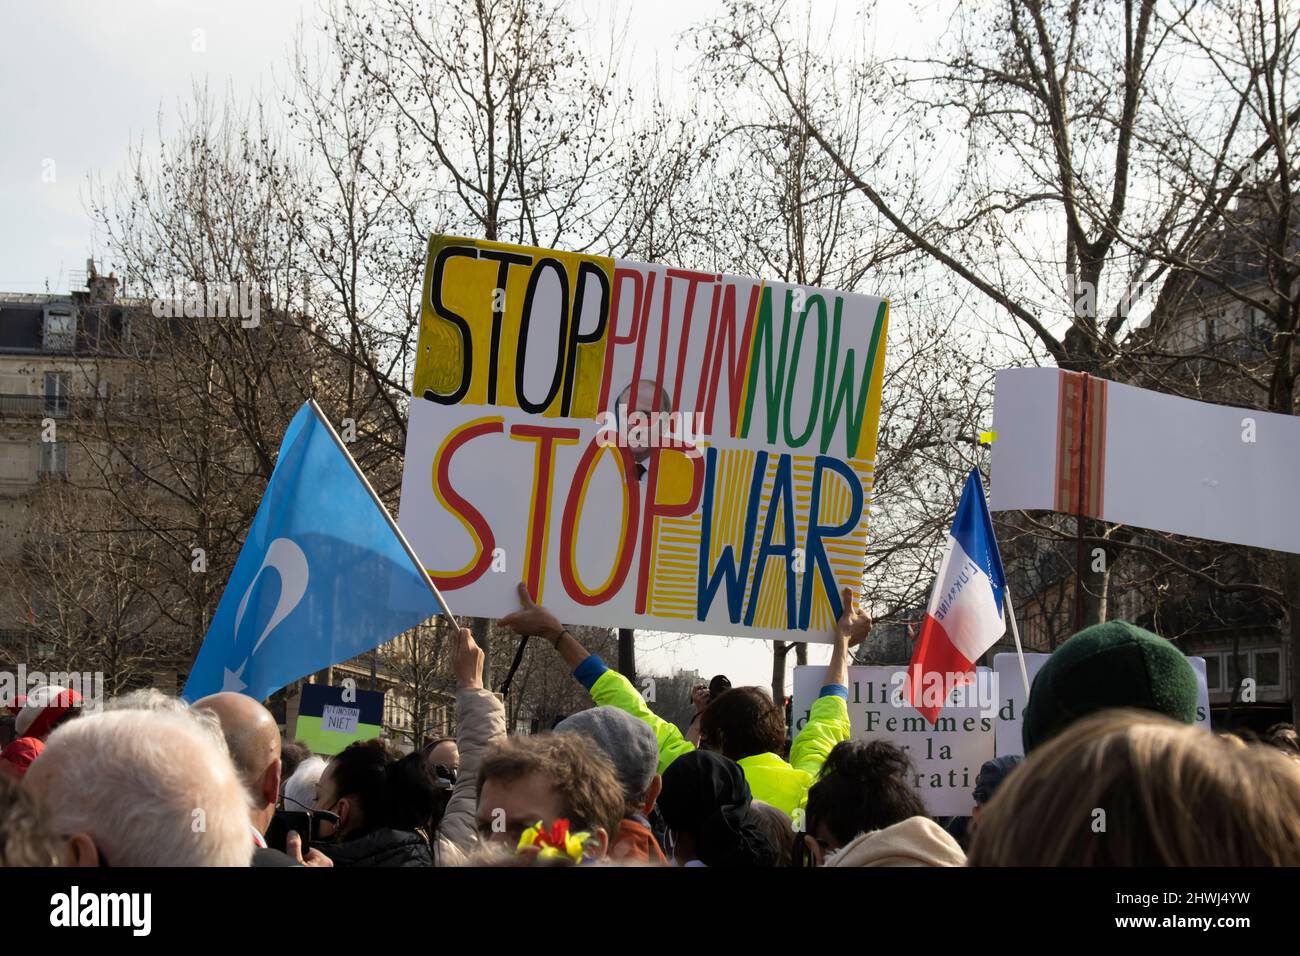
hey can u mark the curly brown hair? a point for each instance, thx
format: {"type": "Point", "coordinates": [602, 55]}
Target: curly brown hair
{"type": "Point", "coordinates": [579, 770]}
{"type": "Point", "coordinates": [742, 722]}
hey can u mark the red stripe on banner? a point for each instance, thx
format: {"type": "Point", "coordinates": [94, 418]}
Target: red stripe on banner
{"type": "Point", "coordinates": [934, 654]}
{"type": "Point", "coordinates": [1080, 445]}
{"type": "Point", "coordinates": [1083, 503]}
{"type": "Point", "coordinates": [1096, 446]}
{"type": "Point", "coordinates": [1067, 443]}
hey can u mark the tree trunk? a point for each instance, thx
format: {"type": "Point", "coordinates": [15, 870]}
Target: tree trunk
{"type": "Point", "coordinates": [1293, 609]}
{"type": "Point", "coordinates": [481, 629]}
{"type": "Point", "coordinates": [627, 653]}
{"type": "Point", "coordinates": [1092, 581]}
{"type": "Point", "coordinates": [779, 651]}
{"type": "Point", "coordinates": [1236, 676]}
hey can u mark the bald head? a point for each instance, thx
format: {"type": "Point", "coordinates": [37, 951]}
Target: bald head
{"type": "Point", "coordinates": [253, 738]}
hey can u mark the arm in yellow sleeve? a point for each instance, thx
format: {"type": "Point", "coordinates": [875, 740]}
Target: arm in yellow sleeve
{"type": "Point", "coordinates": [613, 689]}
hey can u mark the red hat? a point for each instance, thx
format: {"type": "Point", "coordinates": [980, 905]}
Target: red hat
{"type": "Point", "coordinates": [43, 708]}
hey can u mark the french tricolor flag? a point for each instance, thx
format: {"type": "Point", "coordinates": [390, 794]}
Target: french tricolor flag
{"type": "Point", "coordinates": [966, 615]}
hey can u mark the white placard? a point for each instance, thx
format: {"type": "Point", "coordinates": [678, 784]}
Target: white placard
{"type": "Point", "coordinates": [343, 720]}
{"type": "Point", "coordinates": [1012, 703]}
{"type": "Point", "coordinates": [946, 757]}
{"type": "Point", "coordinates": [685, 451]}
{"type": "Point", "coordinates": [1171, 464]}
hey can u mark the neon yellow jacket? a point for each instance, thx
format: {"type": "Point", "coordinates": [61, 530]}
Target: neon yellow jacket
{"type": "Point", "coordinates": [771, 779]}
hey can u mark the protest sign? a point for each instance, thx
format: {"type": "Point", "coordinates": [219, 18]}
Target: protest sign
{"type": "Point", "coordinates": [946, 756]}
{"type": "Point", "coordinates": [690, 451]}
{"type": "Point", "coordinates": [1081, 445]}
{"type": "Point", "coordinates": [330, 718]}
{"type": "Point", "coordinates": [1011, 706]}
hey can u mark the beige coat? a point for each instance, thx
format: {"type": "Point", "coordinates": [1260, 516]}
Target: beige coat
{"type": "Point", "coordinates": [916, 841]}
{"type": "Point", "coordinates": [481, 722]}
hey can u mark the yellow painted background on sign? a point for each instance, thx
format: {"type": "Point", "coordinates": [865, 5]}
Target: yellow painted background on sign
{"type": "Point", "coordinates": [467, 290]}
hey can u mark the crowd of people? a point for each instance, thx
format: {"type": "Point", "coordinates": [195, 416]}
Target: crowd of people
{"type": "Point", "coordinates": [1115, 774]}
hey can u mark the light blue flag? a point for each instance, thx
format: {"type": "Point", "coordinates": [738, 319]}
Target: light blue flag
{"type": "Point", "coordinates": [323, 575]}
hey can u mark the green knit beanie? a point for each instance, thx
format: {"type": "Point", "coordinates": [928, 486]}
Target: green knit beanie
{"type": "Point", "coordinates": [1115, 664]}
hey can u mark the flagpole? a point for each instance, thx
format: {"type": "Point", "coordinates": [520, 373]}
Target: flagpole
{"type": "Point", "coordinates": [1006, 597]}
{"type": "Point", "coordinates": [1015, 632]}
{"type": "Point", "coordinates": [415, 559]}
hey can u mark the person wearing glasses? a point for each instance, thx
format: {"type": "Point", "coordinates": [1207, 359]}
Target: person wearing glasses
{"type": "Point", "coordinates": [378, 810]}
{"type": "Point", "coordinates": [253, 739]}
{"type": "Point", "coordinates": [379, 802]}
{"type": "Point", "coordinates": [442, 753]}
{"type": "Point", "coordinates": [547, 780]}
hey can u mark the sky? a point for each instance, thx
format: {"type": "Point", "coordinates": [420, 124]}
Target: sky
{"type": "Point", "coordinates": [80, 82]}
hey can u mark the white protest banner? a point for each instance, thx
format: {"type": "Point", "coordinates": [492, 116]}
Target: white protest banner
{"type": "Point", "coordinates": [342, 720]}
{"type": "Point", "coordinates": [1072, 443]}
{"type": "Point", "coordinates": [1011, 707]}
{"type": "Point", "coordinates": [946, 756]}
{"type": "Point", "coordinates": [681, 450]}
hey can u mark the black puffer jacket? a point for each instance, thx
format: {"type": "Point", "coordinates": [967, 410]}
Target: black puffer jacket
{"type": "Point", "coordinates": [382, 847]}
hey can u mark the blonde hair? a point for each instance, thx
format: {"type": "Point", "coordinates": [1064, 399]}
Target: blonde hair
{"type": "Point", "coordinates": [1133, 788]}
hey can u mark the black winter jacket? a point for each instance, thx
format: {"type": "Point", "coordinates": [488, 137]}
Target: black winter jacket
{"type": "Point", "coordinates": [382, 847]}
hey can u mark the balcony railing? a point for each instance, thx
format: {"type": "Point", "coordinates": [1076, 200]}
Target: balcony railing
{"type": "Point", "coordinates": [44, 406]}
{"type": "Point", "coordinates": [166, 648]}
{"type": "Point", "coordinates": [63, 406]}
{"type": "Point", "coordinates": [14, 637]}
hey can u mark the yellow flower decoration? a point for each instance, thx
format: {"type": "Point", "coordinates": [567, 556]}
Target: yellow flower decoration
{"type": "Point", "coordinates": [559, 842]}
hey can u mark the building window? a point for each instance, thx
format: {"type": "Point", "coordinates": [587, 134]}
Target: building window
{"type": "Point", "coordinates": [1263, 666]}
{"type": "Point", "coordinates": [1260, 327]}
{"type": "Point", "coordinates": [1212, 671]}
{"type": "Point", "coordinates": [60, 331]}
{"type": "Point", "coordinates": [56, 393]}
{"type": "Point", "coordinates": [1268, 668]}
{"type": "Point", "coordinates": [137, 397]}
{"type": "Point", "coordinates": [1238, 667]}
{"type": "Point", "coordinates": [16, 461]}
{"type": "Point", "coordinates": [54, 459]}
